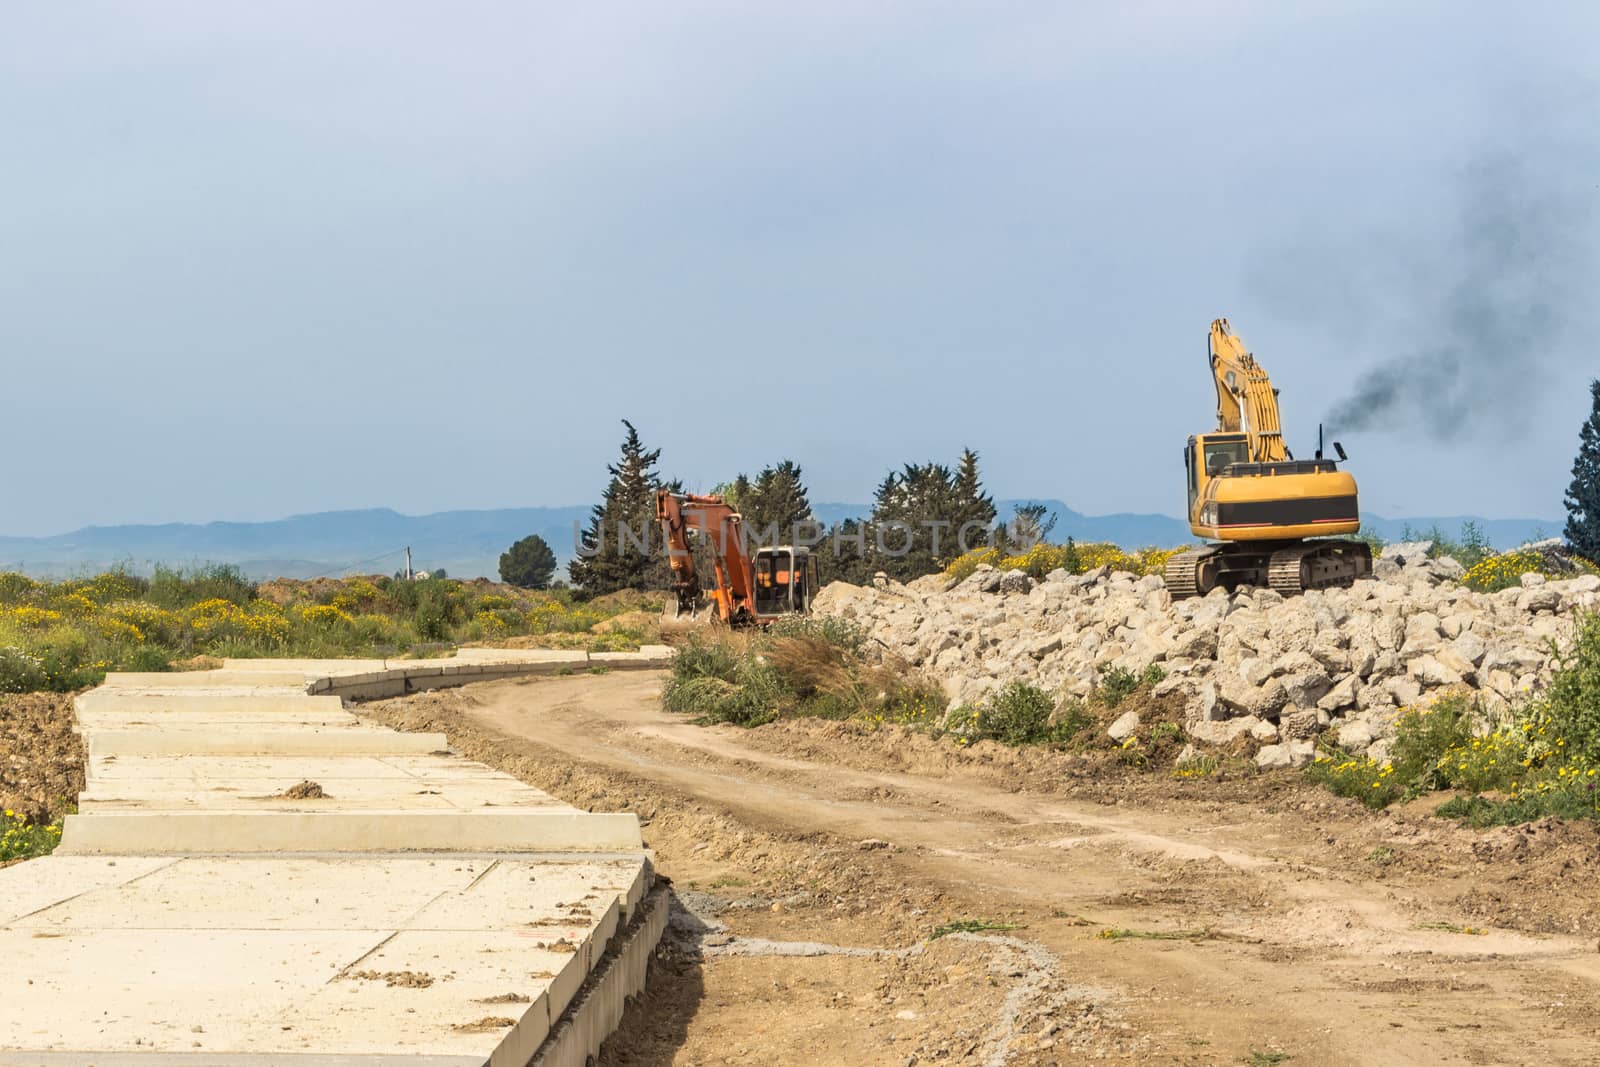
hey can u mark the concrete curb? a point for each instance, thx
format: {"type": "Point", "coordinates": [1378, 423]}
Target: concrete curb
{"type": "Point", "coordinates": [597, 1009]}
{"type": "Point", "coordinates": [480, 665]}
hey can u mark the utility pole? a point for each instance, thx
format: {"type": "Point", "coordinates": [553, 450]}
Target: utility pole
{"type": "Point", "coordinates": [408, 563]}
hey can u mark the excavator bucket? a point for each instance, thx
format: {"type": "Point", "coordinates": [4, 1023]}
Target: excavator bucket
{"type": "Point", "coordinates": [678, 618]}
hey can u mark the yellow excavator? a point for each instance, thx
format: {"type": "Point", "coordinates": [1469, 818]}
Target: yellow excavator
{"type": "Point", "coordinates": [1276, 521]}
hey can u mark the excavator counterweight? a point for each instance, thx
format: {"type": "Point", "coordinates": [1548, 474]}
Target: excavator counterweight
{"type": "Point", "coordinates": [1277, 521]}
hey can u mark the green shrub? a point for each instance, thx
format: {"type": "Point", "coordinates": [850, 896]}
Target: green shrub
{"type": "Point", "coordinates": [145, 658]}
{"type": "Point", "coordinates": [1118, 683]}
{"type": "Point", "coordinates": [697, 693]}
{"type": "Point", "coordinates": [21, 672]}
{"type": "Point", "coordinates": [21, 839]}
{"type": "Point", "coordinates": [173, 589]}
{"type": "Point", "coordinates": [844, 634]}
{"type": "Point", "coordinates": [1016, 714]}
{"type": "Point", "coordinates": [807, 667]}
{"type": "Point", "coordinates": [16, 588]}
{"type": "Point", "coordinates": [701, 658]}
{"type": "Point", "coordinates": [1357, 777]}
{"type": "Point", "coordinates": [1576, 799]}
{"type": "Point", "coordinates": [1573, 700]}
{"type": "Point", "coordinates": [1422, 737]}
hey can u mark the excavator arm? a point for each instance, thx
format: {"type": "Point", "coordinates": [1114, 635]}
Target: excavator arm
{"type": "Point", "coordinates": [1246, 401]}
{"type": "Point", "coordinates": [719, 527]}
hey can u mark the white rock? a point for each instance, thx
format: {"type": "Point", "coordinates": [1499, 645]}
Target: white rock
{"type": "Point", "coordinates": [1213, 732]}
{"type": "Point", "coordinates": [1124, 727]}
{"type": "Point", "coordinates": [1470, 647]}
{"type": "Point", "coordinates": [1355, 735]}
{"type": "Point", "coordinates": [1307, 687]}
{"type": "Point", "coordinates": [1341, 696]}
{"type": "Point", "coordinates": [1043, 646]}
{"type": "Point", "coordinates": [1288, 754]}
{"type": "Point", "coordinates": [1538, 598]}
{"type": "Point", "coordinates": [1429, 671]}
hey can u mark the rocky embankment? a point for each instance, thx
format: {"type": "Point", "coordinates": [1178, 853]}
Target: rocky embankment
{"type": "Point", "coordinates": [1280, 669]}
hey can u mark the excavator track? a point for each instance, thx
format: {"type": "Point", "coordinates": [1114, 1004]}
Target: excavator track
{"type": "Point", "coordinates": [1186, 572]}
{"type": "Point", "coordinates": [1286, 568]}
{"type": "Point", "coordinates": [1318, 565]}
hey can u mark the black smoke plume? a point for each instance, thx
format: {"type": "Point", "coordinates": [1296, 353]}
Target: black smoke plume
{"type": "Point", "coordinates": [1492, 308]}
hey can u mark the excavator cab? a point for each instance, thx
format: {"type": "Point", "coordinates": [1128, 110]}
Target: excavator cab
{"type": "Point", "coordinates": [1207, 457]}
{"type": "Point", "coordinates": [785, 579]}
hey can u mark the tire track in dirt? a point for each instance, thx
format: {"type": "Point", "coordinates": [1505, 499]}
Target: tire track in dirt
{"type": "Point", "coordinates": [1290, 939]}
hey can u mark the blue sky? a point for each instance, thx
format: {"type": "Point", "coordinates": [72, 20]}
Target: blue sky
{"type": "Point", "coordinates": [283, 258]}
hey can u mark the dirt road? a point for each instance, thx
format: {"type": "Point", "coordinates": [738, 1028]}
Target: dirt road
{"type": "Point", "coordinates": [1117, 916]}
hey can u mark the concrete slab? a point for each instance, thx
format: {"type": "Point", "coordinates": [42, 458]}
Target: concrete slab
{"type": "Point", "coordinates": [154, 717]}
{"type": "Point", "coordinates": [631, 660]}
{"type": "Point", "coordinates": [65, 878]}
{"type": "Point", "coordinates": [144, 701]}
{"type": "Point", "coordinates": [427, 911]}
{"type": "Point", "coordinates": [309, 668]}
{"type": "Point", "coordinates": [486, 830]}
{"type": "Point", "coordinates": [341, 793]}
{"type": "Point", "coordinates": [231, 958]}
{"type": "Point", "coordinates": [250, 740]}
{"type": "Point", "coordinates": [559, 656]}
{"type": "Point", "coordinates": [207, 679]}
{"type": "Point", "coordinates": [247, 770]}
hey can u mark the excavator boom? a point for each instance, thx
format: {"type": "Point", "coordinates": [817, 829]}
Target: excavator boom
{"type": "Point", "coordinates": [1246, 401]}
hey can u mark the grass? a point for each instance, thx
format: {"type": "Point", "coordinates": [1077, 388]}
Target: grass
{"type": "Point", "coordinates": [1482, 812]}
{"type": "Point", "coordinates": [65, 635]}
{"type": "Point", "coordinates": [1117, 933]}
{"type": "Point", "coordinates": [1266, 1059]}
{"type": "Point", "coordinates": [1453, 928]}
{"type": "Point", "coordinates": [970, 926]}
{"type": "Point", "coordinates": [1119, 683]}
{"type": "Point", "coordinates": [815, 668]}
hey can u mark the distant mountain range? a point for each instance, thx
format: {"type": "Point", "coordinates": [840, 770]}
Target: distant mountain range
{"type": "Point", "coordinates": [468, 543]}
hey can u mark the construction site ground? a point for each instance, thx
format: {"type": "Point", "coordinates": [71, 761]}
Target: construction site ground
{"type": "Point", "coordinates": [1095, 912]}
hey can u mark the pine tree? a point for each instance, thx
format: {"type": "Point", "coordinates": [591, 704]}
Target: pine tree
{"type": "Point", "coordinates": [528, 564]}
{"type": "Point", "coordinates": [1583, 495]}
{"type": "Point", "coordinates": [776, 500]}
{"type": "Point", "coordinates": [911, 509]}
{"type": "Point", "coordinates": [623, 543]}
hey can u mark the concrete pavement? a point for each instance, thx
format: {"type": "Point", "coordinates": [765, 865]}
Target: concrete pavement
{"type": "Point", "coordinates": [255, 875]}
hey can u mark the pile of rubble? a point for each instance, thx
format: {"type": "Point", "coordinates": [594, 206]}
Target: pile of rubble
{"type": "Point", "coordinates": [1281, 670]}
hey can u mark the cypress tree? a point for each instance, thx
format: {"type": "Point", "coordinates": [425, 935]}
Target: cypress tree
{"type": "Point", "coordinates": [1583, 495]}
{"type": "Point", "coordinates": [623, 520]}
{"type": "Point", "coordinates": [973, 504]}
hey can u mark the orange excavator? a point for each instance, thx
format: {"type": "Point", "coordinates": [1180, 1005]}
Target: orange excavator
{"type": "Point", "coordinates": [753, 588]}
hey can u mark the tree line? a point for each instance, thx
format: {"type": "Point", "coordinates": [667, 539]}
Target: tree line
{"type": "Point", "coordinates": [921, 516]}
{"type": "Point", "coordinates": [918, 513]}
